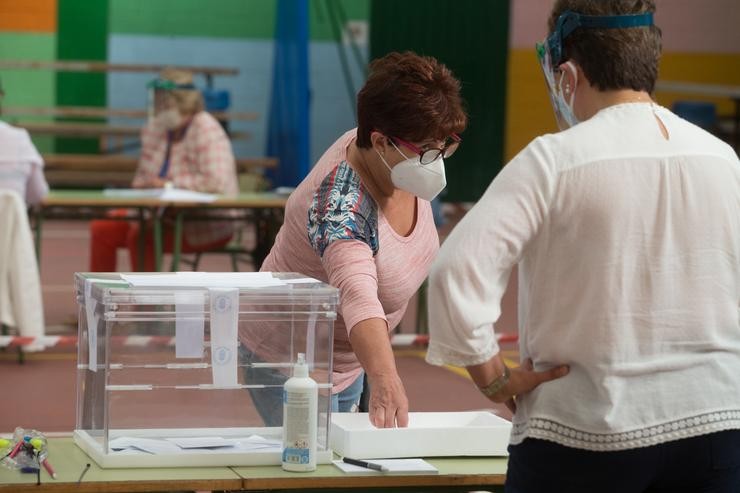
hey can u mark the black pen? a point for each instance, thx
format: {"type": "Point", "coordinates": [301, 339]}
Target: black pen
{"type": "Point", "coordinates": [368, 465]}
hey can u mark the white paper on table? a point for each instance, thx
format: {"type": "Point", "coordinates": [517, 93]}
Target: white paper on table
{"type": "Point", "coordinates": [166, 194]}
{"type": "Point", "coordinates": [395, 466]}
{"type": "Point", "coordinates": [224, 322]}
{"type": "Point", "coordinates": [180, 195]}
{"type": "Point", "coordinates": [133, 193]}
{"type": "Point", "coordinates": [205, 279]}
{"type": "Point", "coordinates": [202, 442]}
{"type": "Point", "coordinates": [189, 324]}
{"type": "Point", "coordinates": [149, 445]}
{"type": "Point", "coordinates": [256, 442]}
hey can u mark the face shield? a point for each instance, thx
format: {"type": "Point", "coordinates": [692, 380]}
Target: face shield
{"type": "Point", "coordinates": [162, 108]}
{"type": "Point", "coordinates": [551, 57]}
{"type": "Point", "coordinates": [564, 114]}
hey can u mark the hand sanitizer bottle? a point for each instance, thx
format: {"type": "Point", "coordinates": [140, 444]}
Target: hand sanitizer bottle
{"type": "Point", "coordinates": [300, 419]}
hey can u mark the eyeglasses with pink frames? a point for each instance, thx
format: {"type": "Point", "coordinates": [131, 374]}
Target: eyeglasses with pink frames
{"type": "Point", "coordinates": [430, 155]}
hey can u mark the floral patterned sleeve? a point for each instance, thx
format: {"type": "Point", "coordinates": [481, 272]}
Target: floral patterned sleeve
{"type": "Point", "coordinates": [343, 231]}
{"type": "Point", "coordinates": [342, 210]}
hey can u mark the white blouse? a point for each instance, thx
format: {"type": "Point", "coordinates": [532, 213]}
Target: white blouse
{"type": "Point", "coordinates": [628, 247]}
{"type": "Point", "coordinates": [21, 166]}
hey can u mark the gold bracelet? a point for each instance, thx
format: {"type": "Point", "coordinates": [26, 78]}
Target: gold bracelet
{"type": "Point", "coordinates": [498, 383]}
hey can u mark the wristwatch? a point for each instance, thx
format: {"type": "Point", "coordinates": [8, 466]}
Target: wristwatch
{"type": "Point", "coordinates": [498, 383]}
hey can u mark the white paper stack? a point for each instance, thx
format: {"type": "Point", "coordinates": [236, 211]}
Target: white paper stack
{"type": "Point", "coordinates": [167, 194]}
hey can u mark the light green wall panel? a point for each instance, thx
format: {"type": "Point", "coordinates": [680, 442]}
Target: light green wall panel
{"type": "Point", "coordinates": [209, 18]}
{"type": "Point", "coordinates": [29, 87]}
{"type": "Point", "coordinates": [254, 19]}
{"type": "Point", "coordinates": [321, 13]}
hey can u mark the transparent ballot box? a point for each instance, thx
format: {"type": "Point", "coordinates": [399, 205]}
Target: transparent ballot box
{"type": "Point", "coordinates": [187, 369]}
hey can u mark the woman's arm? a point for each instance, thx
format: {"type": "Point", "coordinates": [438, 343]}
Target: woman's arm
{"type": "Point", "coordinates": [389, 406]}
{"type": "Point", "coordinates": [471, 273]}
{"type": "Point", "coordinates": [351, 267]}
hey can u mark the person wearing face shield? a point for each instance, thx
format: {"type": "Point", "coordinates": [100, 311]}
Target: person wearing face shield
{"type": "Point", "coordinates": [182, 146]}
{"type": "Point", "coordinates": [625, 227]}
{"type": "Point", "coordinates": [21, 165]}
{"type": "Point", "coordinates": [361, 221]}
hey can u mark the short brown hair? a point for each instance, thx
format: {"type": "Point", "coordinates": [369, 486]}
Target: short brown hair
{"type": "Point", "coordinates": [411, 97]}
{"type": "Point", "coordinates": [624, 58]}
{"type": "Point", "coordinates": [188, 101]}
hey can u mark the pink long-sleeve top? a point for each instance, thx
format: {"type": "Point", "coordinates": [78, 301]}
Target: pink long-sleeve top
{"type": "Point", "coordinates": [335, 232]}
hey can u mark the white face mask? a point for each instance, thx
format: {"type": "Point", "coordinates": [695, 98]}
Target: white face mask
{"type": "Point", "coordinates": [423, 180]}
{"type": "Point", "coordinates": [564, 109]}
{"type": "Point", "coordinates": [168, 119]}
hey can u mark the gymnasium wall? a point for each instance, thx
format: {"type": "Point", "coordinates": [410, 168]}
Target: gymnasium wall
{"type": "Point", "coordinates": [232, 33]}
{"type": "Point", "coordinates": [701, 43]}
{"type": "Point", "coordinates": [28, 31]}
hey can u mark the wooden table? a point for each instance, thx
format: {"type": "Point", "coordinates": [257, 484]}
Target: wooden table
{"type": "Point", "coordinates": [455, 474]}
{"type": "Point", "coordinates": [91, 204]}
{"type": "Point", "coordinates": [266, 210]}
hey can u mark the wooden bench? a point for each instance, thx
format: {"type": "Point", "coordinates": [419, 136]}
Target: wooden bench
{"type": "Point", "coordinates": [115, 170]}
{"type": "Point", "coordinates": [80, 129]}
{"type": "Point", "coordinates": [100, 112]}
{"type": "Point", "coordinates": [97, 66]}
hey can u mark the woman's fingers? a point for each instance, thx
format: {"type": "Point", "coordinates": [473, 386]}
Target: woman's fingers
{"type": "Point", "coordinates": [388, 404]}
{"type": "Point", "coordinates": [552, 373]}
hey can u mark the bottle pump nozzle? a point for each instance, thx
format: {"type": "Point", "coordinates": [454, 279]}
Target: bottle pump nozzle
{"type": "Point", "coordinates": [300, 369]}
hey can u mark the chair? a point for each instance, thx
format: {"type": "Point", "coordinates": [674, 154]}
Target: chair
{"type": "Point", "coordinates": [235, 249]}
{"type": "Point", "coordinates": [21, 306]}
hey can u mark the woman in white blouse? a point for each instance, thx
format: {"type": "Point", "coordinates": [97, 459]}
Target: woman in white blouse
{"type": "Point", "coordinates": [21, 165]}
{"type": "Point", "coordinates": [626, 230]}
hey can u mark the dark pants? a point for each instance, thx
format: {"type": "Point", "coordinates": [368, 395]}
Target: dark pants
{"type": "Point", "coordinates": [704, 464]}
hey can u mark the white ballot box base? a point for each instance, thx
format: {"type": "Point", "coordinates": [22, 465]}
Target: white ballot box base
{"type": "Point", "coordinates": [187, 457]}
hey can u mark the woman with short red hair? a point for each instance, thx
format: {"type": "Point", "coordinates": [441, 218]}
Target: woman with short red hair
{"type": "Point", "coordinates": [361, 221]}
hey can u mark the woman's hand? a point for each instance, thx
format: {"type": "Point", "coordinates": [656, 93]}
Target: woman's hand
{"type": "Point", "coordinates": [522, 379]}
{"type": "Point", "coordinates": [389, 406]}
{"type": "Point", "coordinates": [153, 182]}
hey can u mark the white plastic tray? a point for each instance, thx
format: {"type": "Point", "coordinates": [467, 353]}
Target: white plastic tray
{"type": "Point", "coordinates": [428, 435]}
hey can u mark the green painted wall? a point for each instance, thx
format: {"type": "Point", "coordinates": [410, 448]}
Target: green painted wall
{"type": "Point", "coordinates": [29, 87]}
{"type": "Point", "coordinates": [82, 34]}
{"type": "Point", "coordinates": [254, 19]}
